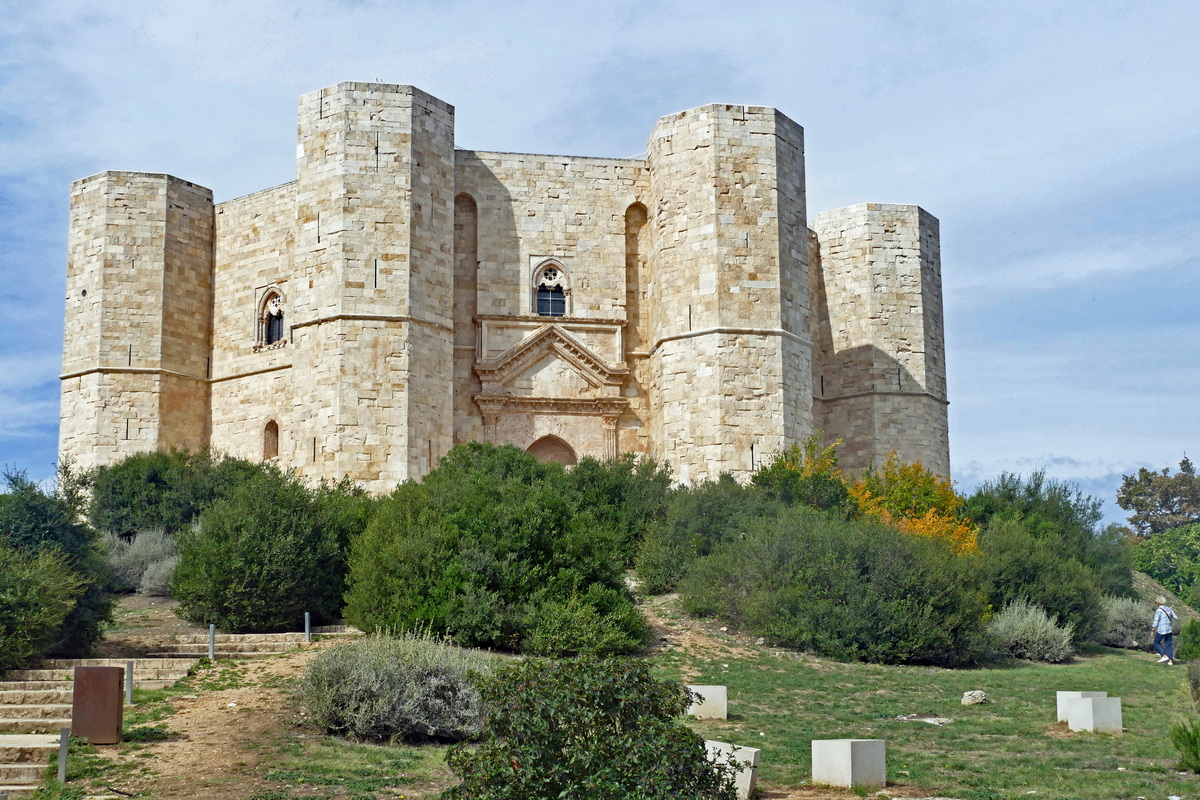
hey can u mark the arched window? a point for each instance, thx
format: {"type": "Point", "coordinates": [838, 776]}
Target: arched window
{"type": "Point", "coordinates": [551, 289]}
{"type": "Point", "coordinates": [271, 440]}
{"type": "Point", "coordinates": [271, 330]}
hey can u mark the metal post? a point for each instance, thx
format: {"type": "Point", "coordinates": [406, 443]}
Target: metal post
{"type": "Point", "coordinates": [307, 627]}
{"type": "Point", "coordinates": [63, 735]}
{"type": "Point", "coordinates": [128, 683]}
{"type": "Point", "coordinates": [212, 642]}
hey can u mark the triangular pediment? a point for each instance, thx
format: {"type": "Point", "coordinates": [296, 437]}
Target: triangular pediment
{"type": "Point", "coordinates": [550, 342]}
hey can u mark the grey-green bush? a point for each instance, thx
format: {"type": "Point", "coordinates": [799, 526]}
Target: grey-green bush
{"type": "Point", "coordinates": [131, 559]}
{"type": "Point", "coordinates": [844, 589]}
{"type": "Point", "coordinates": [411, 688]}
{"type": "Point", "coordinates": [1024, 630]}
{"type": "Point", "coordinates": [1126, 623]}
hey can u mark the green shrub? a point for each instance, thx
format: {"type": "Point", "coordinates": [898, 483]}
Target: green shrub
{"type": "Point", "coordinates": [1065, 521]}
{"type": "Point", "coordinates": [485, 549]}
{"type": "Point", "coordinates": [1187, 643]}
{"type": "Point", "coordinates": [131, 559]}
{"type": "Point", "coordinates": [626, 496]}
{"type": "Point", "coordinates": [1126, 623]}
{"type": "Point", "coordinates": [806, 474]}
{"type": "Point", "coordinates": [1172, 558]}
{"type": "Point", "coordinates": [698, 519]}
{"type": "Point", "coordinates": [1186, 738]}
{"type": "Point", "coordinates": [585, 728]}
{"type": "Point", "coordinates": [1023, 630]}
{"type": "Point", "coordinates": [1017, 565]}
{"type": "Point", "coordinates": [34, 521]}
{"type": "Point", "coordinates": [845, 589]}
{"type": "Point", "coordinates": [410, 687]}
{"type": "Point", "coordinates": [161, 489]}
{"type": "Point", "coordinates": [260, 558]}
{"type": "Point", "coordinates": [1193, 679]}
{"type": "Point", "coordinates": [37, 592]}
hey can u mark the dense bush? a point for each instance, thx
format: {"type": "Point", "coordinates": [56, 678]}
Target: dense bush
{"type": "Point", "coordinates": [1066, 521]}
{"type": "Point", "coordinates": [1023, 630]}
{"type": "Point", "coordinates": [33, 521]}
{"type": "Point", "coordinates": [151, 554]}
{"type": "Point", "coordinates": [1187, 643]}
{"type": "Point", "coordinates": [486, 549]}
{"type": "Point", "coordinates": [806, 474]}
{"type": "Point", "coordinates": [625, 495]}
{"type": "Point", "coordinates": [1126, 623]}
{"type": "Point", "coordinates": [583, 728]}
{"type": "Point", "coordinates": [261, 557]}
{"type": "Point", "coordinates": [1172, 558]}
{"type": "Point", "coordinates": [1186, 738]}
{"type": "Point", "coordinates": [410, 687]}
{"type": "Point", "coordinates": [1018, 565]}
{"type": "Point", "coordinates": [161, 489]}
{"type": "Point", "coordinates": [698, 519]}
{"type": "Point", "coordinates": [37, 592]}
{"type": "Point", "coordinates": [846, 589]}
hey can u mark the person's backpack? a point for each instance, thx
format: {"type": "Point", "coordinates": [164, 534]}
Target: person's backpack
{"type": "Point", "coordinates": [1175, 626]}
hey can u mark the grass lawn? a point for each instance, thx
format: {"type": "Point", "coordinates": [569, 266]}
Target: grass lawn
{"type": "Point", "coordinates": [1009, 748]}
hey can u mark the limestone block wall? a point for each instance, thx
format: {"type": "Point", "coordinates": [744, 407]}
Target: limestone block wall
{"type": "Point", "coordinates": [881, 376]}
{"type": "Point", "coordinates": [139, 300]}
{"type": "Point", "coordinates": [728, 288]}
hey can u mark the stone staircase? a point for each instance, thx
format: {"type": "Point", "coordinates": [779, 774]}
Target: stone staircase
{"type": "Point", "coordinates": [246, 645]}
{"type": "Point", "coordinates": [23, 760]}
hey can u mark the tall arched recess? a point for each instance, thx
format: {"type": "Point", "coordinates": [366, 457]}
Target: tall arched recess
{"type": "Point", "coordinates": [467, 421]}
{"type": "Point", "coordinates": [636, 324]}
{"type": "Point", "coordinates": [552, 448]}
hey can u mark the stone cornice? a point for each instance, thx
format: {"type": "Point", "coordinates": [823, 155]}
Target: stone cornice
{"type": "Point", "coordinates": [604, 406]}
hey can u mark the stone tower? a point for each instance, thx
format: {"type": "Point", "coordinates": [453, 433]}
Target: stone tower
{"type": "Point", "coordinates": [136, 358]}
{"type": "Point", "coordinates": [728, 282]}
{"type": "Point", "coordinates": [881, 377]}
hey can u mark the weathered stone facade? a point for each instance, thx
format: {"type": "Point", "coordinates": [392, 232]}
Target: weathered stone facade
{"type": "Point", "coordinates": [401, 296]}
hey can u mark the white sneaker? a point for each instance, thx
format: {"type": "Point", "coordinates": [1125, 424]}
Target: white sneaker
{"type": "Point", "coordinates": [1170, 663]}
{"type": "Point", "coordinates": [1163, 660]}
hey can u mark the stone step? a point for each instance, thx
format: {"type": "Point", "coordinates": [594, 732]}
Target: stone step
{"type": "Point", "coordinates": [36, 711]}
{"type": "Point", "coordinates": [336, 630]}
{"type": "Point", "coordinates": [32, 725]}
{"type": "Point", "coordinates": [230, 655]}
{"type": "Point", "coordinates": [21, 697]}
{"type": "Point", "coordinates": [57, 675]}
{"type": "Point", "coordinates": [22, 774]}
{"type": "Point", "coordinates": [17, 792]}
{"type": "Point", "coordinates": [28, 748]}
{"type": "Point", "coordinates": [139, 664]}
{"type": "Point", "coordinates": [227, 638]}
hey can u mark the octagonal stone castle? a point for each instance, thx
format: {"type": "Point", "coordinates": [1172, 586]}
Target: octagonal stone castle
{"type": "Point", "coordinates": [402, 296]}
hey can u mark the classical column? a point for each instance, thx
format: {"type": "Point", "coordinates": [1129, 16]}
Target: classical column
{"type": "Point", "coordinates": [610, 435]}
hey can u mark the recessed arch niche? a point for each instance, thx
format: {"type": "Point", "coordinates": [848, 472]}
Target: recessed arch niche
{"type": "Point", "coordinates": [552, 448]}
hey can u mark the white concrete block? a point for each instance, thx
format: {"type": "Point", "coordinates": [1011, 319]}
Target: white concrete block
{"type": "Point", "coordinates": [1098, 714]}
{"type": "Point", "coordinates": [722, 752]}
{"type": "Point", "coordinates": [1066, 697]}
{"type": "Point", "coordinates": [849, 762]}
{"type": "Point", "coordinates": [713, 702]}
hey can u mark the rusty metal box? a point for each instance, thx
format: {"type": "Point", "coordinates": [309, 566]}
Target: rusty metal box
{"type": "Point", "coordinates": [96, 707]}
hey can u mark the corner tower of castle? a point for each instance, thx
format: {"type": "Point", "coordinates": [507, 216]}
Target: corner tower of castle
{"type": "Point", "coordinates": [401, 296]}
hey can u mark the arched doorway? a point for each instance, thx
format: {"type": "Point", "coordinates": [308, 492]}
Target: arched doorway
{"type": "Point", "coordinates": [552, 448]}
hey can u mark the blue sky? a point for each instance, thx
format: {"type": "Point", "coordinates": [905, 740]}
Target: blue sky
{"type": "Point", "coordinates": [1056, 142]}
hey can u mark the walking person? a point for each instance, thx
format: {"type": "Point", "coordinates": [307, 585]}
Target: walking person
{"type": "Point", "coordinates": [1164, 632]}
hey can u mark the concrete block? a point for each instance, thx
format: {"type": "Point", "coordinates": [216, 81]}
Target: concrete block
{"type": "Point", "coordinates": [1096, 714]}
{"type": "Point", "coordinates": [713, 702]}
{"type": "Point", "coordinates": [722, 752]}
{"type": "Point", "coordinates": [849, 762]}
{"type": "Point", "coordinates": [1066, 697]}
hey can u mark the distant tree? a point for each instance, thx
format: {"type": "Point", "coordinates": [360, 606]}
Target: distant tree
{"type": "Point", "coordinates": [1160, 501]}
